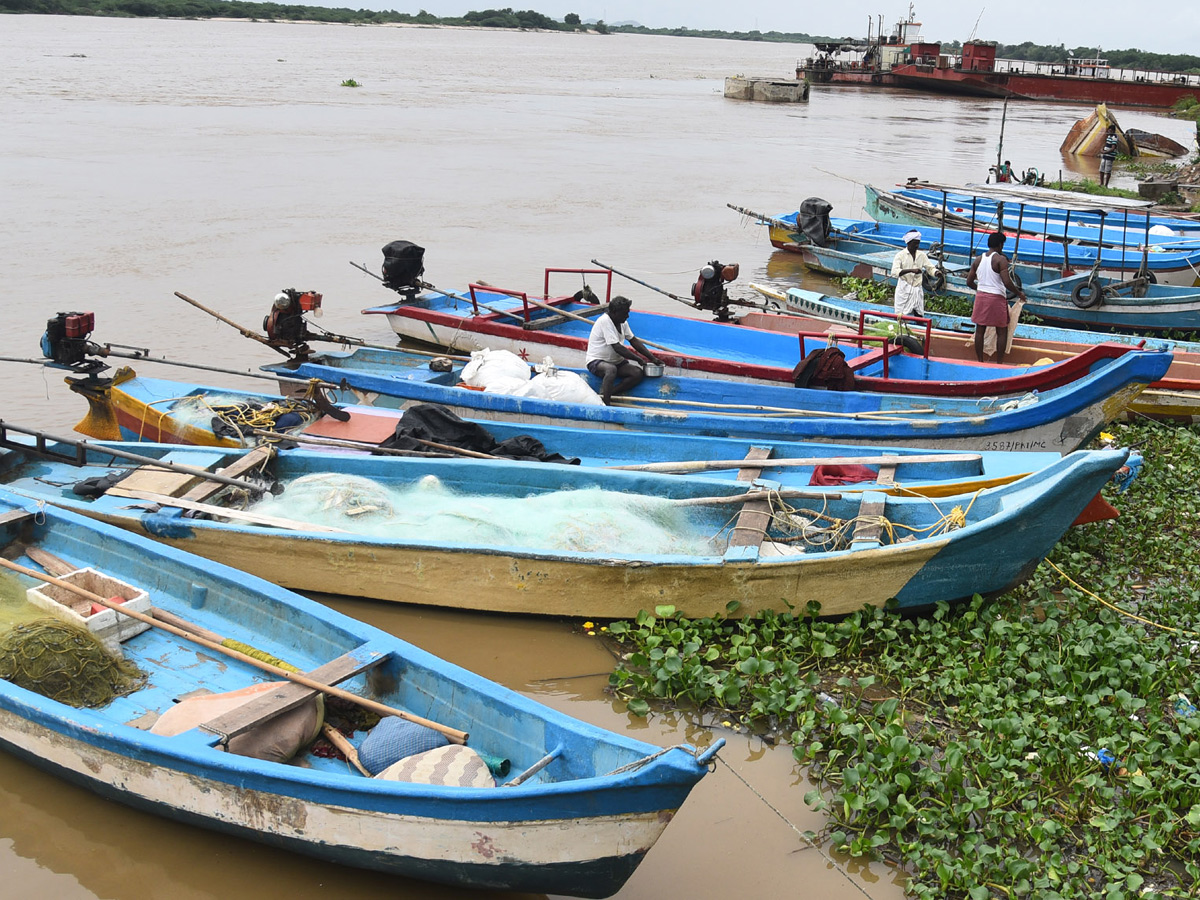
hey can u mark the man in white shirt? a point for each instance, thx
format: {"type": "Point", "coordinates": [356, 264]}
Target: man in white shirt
{"type": "Point", "coordinates": [907, 268]}
{"type": "Point", "coordinates": [607, 355]}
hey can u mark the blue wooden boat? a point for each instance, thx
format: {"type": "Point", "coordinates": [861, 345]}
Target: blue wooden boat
{"type": "Point", "coordinates": [1122, 227]}
{"type": "Point", "coordinates": [1061, 419]}
{"type": "Point", "coordinates": [561, 540]}
{"type": "Point", "coordinates": [1081, 299]}
{"type": "Point", "coordinates": [1076, 217]}
{"type": "Point", "coordinates": [580, 825]}
{"type": "Point", "coordinates": [1034, 256]}
{"type": "Point", "coordinates": [1176, 396]}
{"type": "Point", "coordinates": [559, 327]}
{"type": "Point", "coordinates": [158, 410]}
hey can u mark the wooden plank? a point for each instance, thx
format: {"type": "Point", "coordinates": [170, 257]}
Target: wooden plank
{"type": "Point", "coordinates": [290, 695]}
{"type": "Point", "coordinates": [683, 466]}
{"type": "Point", "coordinates": [53, 564]}
{"type": "Point", "coordinates": [250, 460]}
{"type": "Point", "coordinates": [868, 528]}
{"type": "Point", "coordinates": [235, 514]}
{"type": "Point", "coordinates": [887, 475]}
{"type": "Point", "coordinates": [752, 521]}
{"type": "Point", "coordinates": [15, 515]}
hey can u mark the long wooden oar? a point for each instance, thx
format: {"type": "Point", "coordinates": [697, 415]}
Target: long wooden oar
{"type": "Point", "coordinates": [683, 467]}
{"type": "Point", "coordinates": [587, 321]}
{"type": "Point", "coordinates": [246, 332]}
{"type": "Point", "coordinates": [42, 437]}
{"type": "Point", "coordinates": [754, 495]}
{"type": "Point", "coordinates": [446, 449]}
{"type": "Point", "coordinates": [778, 411]}
{"type": "Point", "coordinates": [458, 737]}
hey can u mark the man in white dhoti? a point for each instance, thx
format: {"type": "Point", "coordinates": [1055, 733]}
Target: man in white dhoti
{"type": "Point", "coordinates": [907, 268]}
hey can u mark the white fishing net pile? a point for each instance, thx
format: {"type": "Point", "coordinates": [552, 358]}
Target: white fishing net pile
{"type": "Point", "coordinates": [428, 511]}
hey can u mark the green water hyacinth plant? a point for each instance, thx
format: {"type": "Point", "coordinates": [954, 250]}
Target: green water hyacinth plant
{"type": "Point", "coordinates": [1042, 744]}
{"type": "Point", "coordinates": [350, 82]}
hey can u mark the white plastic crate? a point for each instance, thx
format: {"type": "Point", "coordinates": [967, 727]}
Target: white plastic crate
{"type": "Point", "coordinates": [106, 624]}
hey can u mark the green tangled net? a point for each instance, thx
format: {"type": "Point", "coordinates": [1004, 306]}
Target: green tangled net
{"type": "Point", "coordinates": [65, 663]}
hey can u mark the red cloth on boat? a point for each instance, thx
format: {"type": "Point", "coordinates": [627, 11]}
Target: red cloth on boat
{"type": "Point", "coordinates": [990, 309]}
{"type": "Point", "coordinates": [823, 475]}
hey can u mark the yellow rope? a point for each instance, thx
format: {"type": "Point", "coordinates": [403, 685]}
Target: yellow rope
{"type": "Point", "coordinates": [1116, 608]}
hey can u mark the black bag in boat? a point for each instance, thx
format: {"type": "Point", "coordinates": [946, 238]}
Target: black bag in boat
{"type": "Point", "coordinates": [813, 220]}
{"type": "Point", "coordinates": [403, 265]}
{"type": "Point", "coordinates": [824, 368]}
{"type": "Point", "coordinates": [431, 422]}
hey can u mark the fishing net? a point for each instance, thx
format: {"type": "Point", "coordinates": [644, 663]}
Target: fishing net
{"type": "Point", "coordinates": [429, 511]}
{"type": "Point", "coordinates": [236, 415]}
{"type": "Point", "coordinates": [65, 663]}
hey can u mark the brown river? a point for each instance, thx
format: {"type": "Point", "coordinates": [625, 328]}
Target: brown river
{"type": "Point", "coordinates": [225, 160]}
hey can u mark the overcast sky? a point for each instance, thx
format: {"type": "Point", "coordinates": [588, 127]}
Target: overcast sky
{"type": "Point", "coordinates": [1113, 24]}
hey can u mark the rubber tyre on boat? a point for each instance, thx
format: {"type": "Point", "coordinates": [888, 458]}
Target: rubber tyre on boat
{"type": "Point", "coordinates": [1086, 294]}
{"type": "Point", "coordinates": [1141, 289]}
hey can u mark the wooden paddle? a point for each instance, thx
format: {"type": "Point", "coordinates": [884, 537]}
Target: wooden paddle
{"type": "Point", "coordinates": [754, 495]}
{"type": "Point", "coordinates": [453, 734]}
{"type": "Point", "coordinates": [779, 411]}
{"type": "Point", "coordinates": [704, 465]}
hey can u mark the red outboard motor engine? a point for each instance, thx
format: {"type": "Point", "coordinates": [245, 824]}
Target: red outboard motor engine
{"type": "Point", "coordinates": [709, 291]}
{"type": "Point", "coordinates": [285, 325]}
{"type": "Point", "coordinates": [66, 340]}
{"type": "Point", "coordinates": [403, 266]}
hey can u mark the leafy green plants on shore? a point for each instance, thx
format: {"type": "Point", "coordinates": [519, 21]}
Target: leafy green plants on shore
{"type": "Point", "coordinates": [1038, 744]}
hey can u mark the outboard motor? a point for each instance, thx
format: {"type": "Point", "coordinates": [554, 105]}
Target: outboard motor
{"type": "Point", "coordinates": [403, 265]}
{"type": "Point", "coordinates": [813, 220]}
{"type": "Point", "coordinates": [66, 341]}
{"type": "Point", "coordinates": [285, 325]}
{"type": "Point", "coordinates": [709, 291]}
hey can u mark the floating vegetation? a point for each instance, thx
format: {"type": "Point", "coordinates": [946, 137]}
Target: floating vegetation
{"type": "Point", "coordinates": [350, 82]}
{"type": "Point", "coordinates": [1042, 744]}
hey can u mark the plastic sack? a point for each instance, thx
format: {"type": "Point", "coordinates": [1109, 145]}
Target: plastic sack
{"type": "Point", "coordinates": [565, 387]}
{"type": "Point", "coordinates": [453, 765]}
{"type": "Point", "coordinates": [277, 739]}
{"type": "Point", "coordinates": [394, 739]}
{"type": "Point", "coordinates": [503, 384]}
{"type": "Point", "coordinates": [989, 336]}
{"type": "Point", "coordinates": [487, 365]}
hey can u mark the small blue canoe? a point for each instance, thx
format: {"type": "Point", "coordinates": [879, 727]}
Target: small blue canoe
{"type": "Point", "coordinates": [1058, 420]}
{"type": "Point", "coordinates": [578, 825]}
{"type": "Point", "coordinates": [136, 408]}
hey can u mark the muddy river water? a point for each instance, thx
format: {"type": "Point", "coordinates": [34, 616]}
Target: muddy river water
{"type": "Point", "coordinates": [226, 160]}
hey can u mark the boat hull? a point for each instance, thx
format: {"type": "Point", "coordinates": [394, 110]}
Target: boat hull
{"type": "Point", "coordinates": [535, 856]}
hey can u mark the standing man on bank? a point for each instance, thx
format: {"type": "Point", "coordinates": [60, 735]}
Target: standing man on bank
{"type": "Point", "coordinates": [907, 268]}
{"type": "Point", "coordinates": [1108, 155]}
{"type": "Point", "coordinates": [607, 356]}
{"type": "Point", "coordinates": [991, 279]}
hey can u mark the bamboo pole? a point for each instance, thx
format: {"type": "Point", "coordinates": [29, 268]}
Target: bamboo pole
{"type": "Point", "coordinates": [705, 465]}
{"type": "Point", "coordinates": [456, 736]}
{"type": "Point", "coordinates": [878, 415]}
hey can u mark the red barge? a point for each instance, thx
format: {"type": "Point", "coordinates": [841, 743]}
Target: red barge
{"type": "Point", "coordinates": [902, 60]}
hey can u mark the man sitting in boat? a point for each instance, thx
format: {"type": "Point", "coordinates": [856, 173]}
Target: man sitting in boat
{"type": "Point", "coordinates": [907, 268]}
{"type": "Point", "coordinates": [607, 355]}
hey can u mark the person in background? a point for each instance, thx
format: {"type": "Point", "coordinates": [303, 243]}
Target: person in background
{"type": "Point", "coordinates": [607, 356]}
{"type": "Point", "coordinates": [1004, 172]}
{"type": "Point", "coordinates": [991, 279]}
{"type": "Point", "coordinates": [907, 268]}
{"type": "Point", "coordinates": [1108, 155]}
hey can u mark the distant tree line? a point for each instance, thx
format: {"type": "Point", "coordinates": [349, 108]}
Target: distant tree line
{"type": "Point", "coordinates": [519, 19]}
{"type": "Point", "coordinates": [244, 9]}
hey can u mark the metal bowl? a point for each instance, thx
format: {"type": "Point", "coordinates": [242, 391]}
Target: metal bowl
{"type": "Point", "coordinates": [652, 370]}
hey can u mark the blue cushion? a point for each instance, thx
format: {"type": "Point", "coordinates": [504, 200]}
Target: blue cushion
{"type": "Point", "coordinates": [393, 739]}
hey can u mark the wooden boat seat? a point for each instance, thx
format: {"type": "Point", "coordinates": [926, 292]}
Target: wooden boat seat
{"type": "Point", "coordinates": [872, 507]}
{"type": "Point", "coordinates": [755, 517]}
{"type": "Point", "coordinates": [14, 516]}
{"type": "Point", "coordinates": [289, 696]}
{"type": "Point", "coordinates": [149, 479]}
{"type": "Point", "coordinates": [540, 324]}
